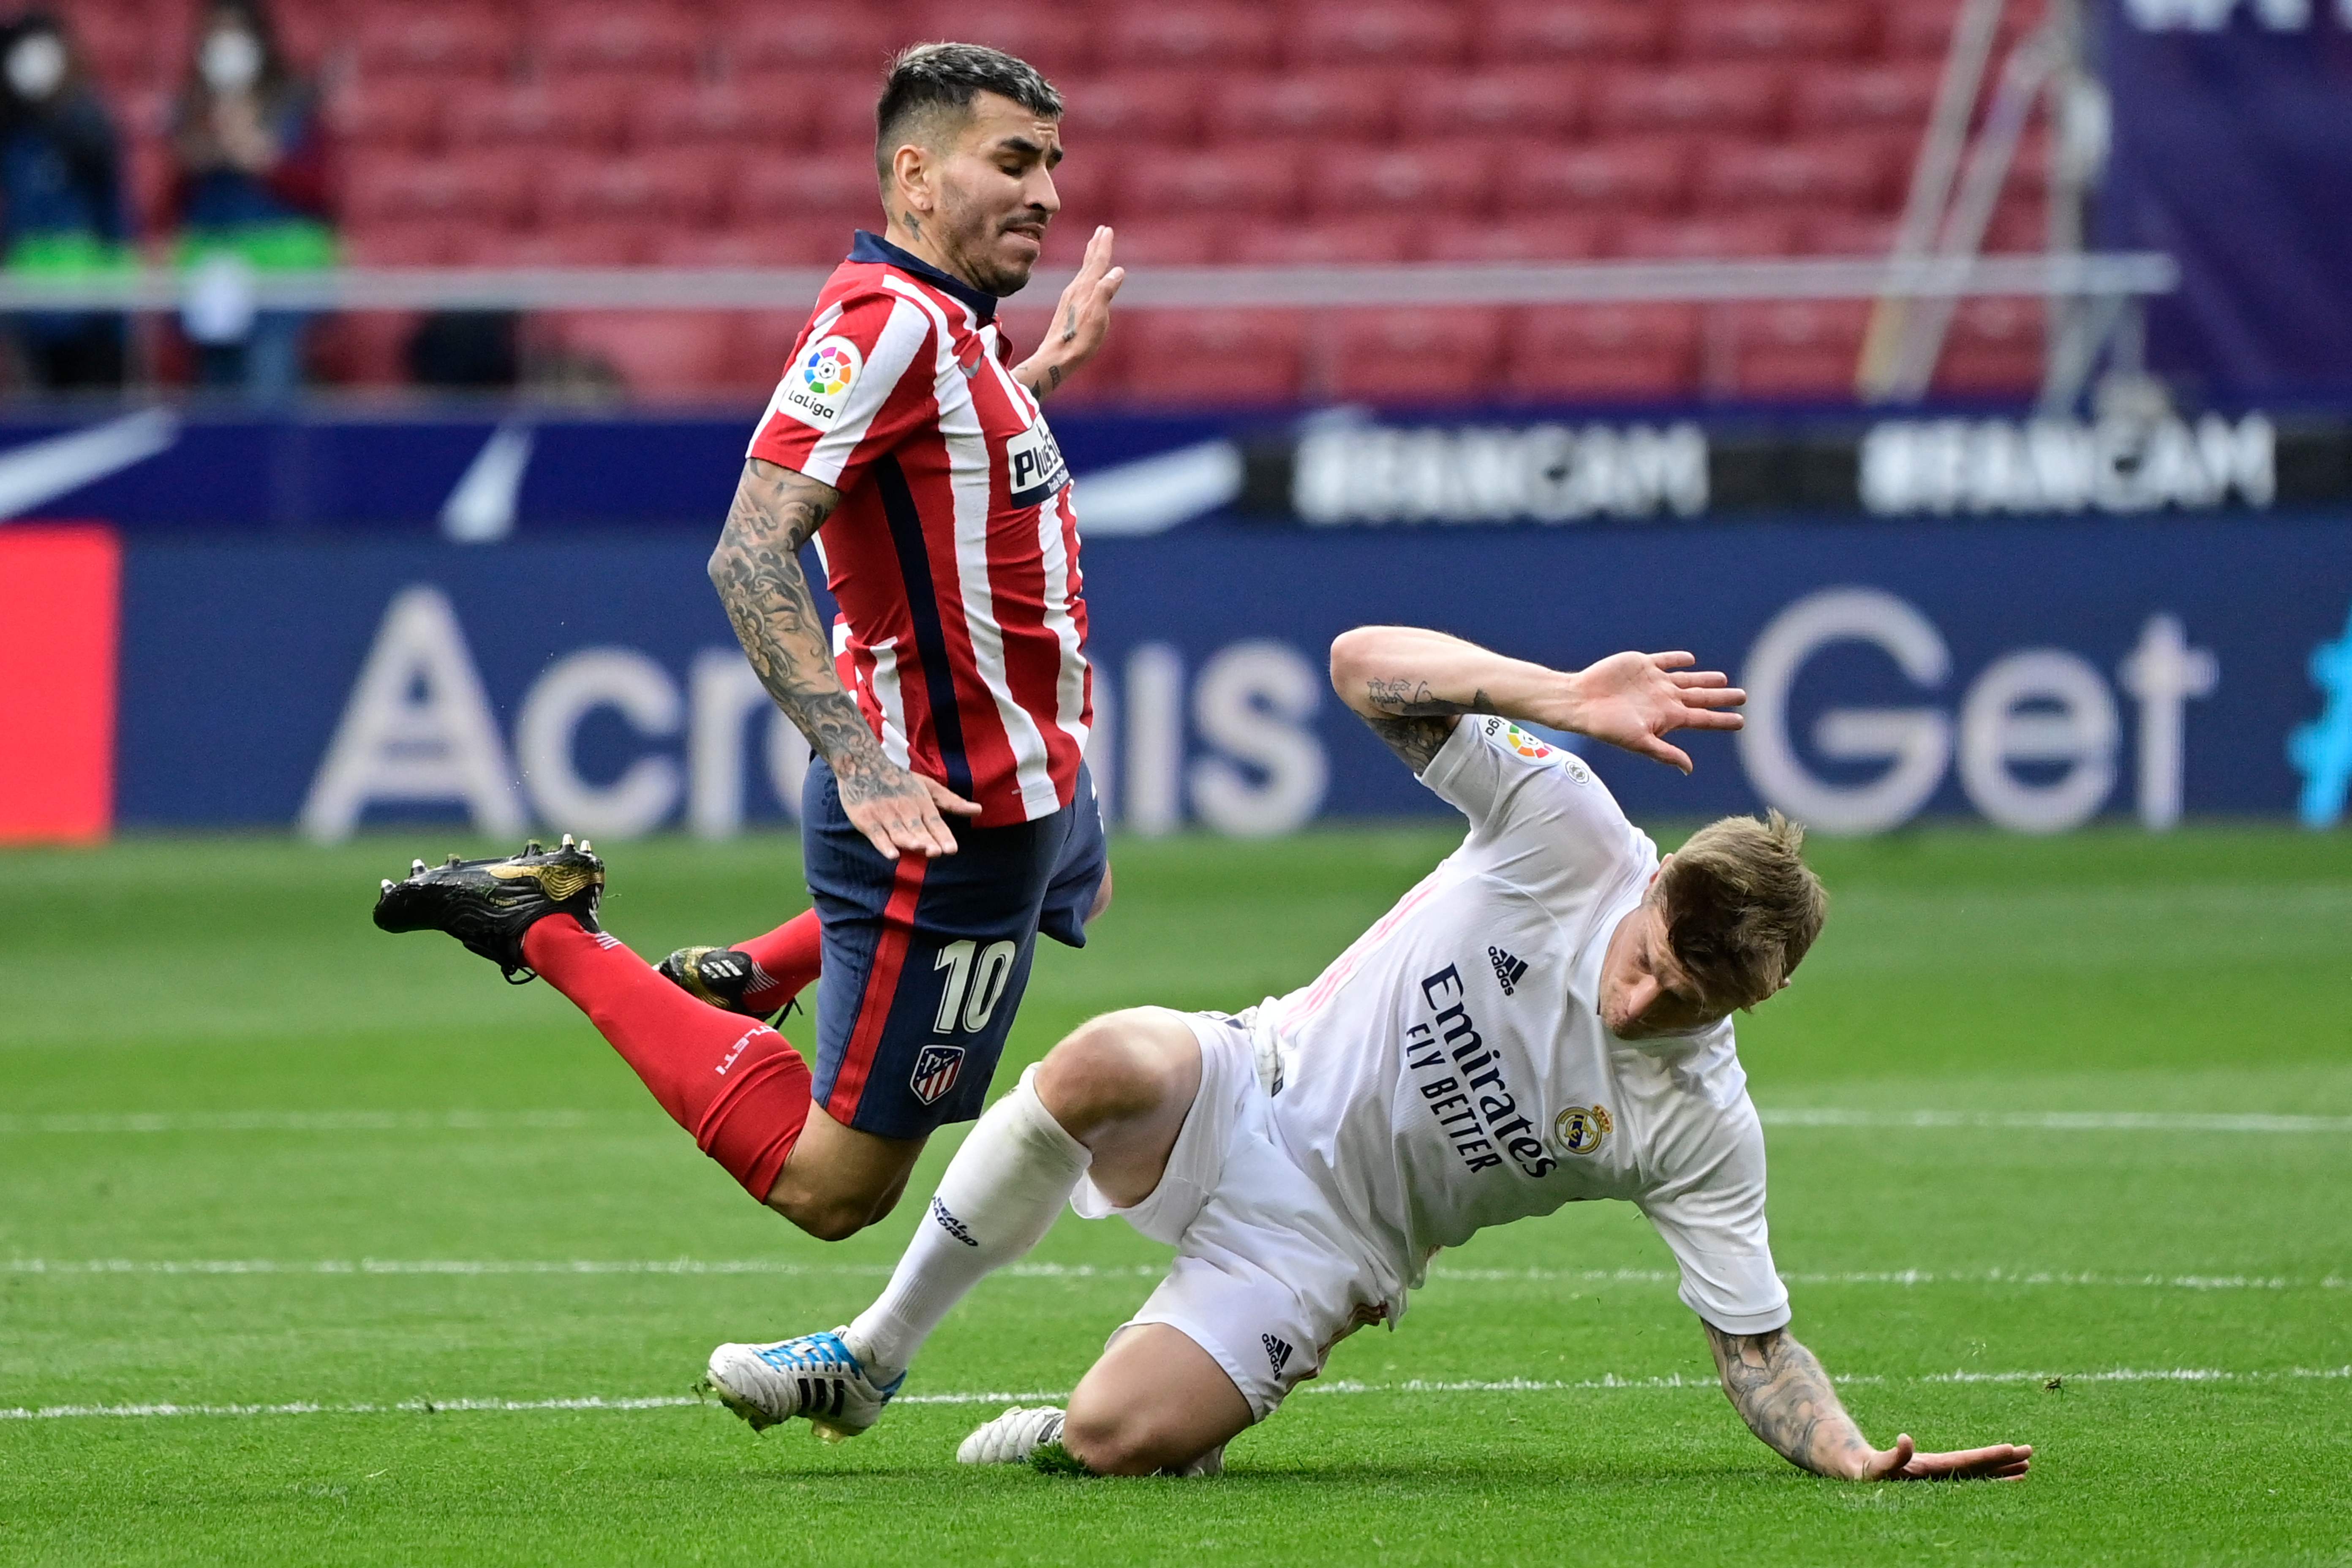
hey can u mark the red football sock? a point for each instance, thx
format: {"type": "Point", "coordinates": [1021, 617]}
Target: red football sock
{"type": "Point", "coordinates": [790, 955]}
{"type": "Point", "coordinates": [737, 1085]}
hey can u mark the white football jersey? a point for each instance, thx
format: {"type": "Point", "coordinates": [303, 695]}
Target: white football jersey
{"type": "Point", "coordinates": [1450, 1070]}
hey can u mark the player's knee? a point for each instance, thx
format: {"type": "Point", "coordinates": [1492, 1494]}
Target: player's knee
{"type": "Point", "coordinates": [1107, 1069]}
{"type": "Point", "coordinates": [831, 1216]}
{"type": "Point", "coordinates": [1123, 1443]}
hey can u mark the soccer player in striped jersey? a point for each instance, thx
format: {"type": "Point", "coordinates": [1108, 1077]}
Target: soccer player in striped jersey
{"type": "Point", "coordinates": [948, 817]}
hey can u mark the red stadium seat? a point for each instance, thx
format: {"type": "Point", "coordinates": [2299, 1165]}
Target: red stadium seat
{"type": "Point", "coordinates": [1144, 242]}
{"type": "Point", "coordinates": [642, 41]}
{"type": "Point", "coordinates": [1895, 97]}
{"type": "Point", "coordinates": [1212, 37]}
{"type": "Point", "coordinates": [579, 245]}
{"type": "Point", "coordinates": [1185, 357]}
{"type": "Point", "coordinates": [851, 46]}
{"type": "Point", "coordinates": [387, 111]}
{"type": "Point", "coordinates": [829, 117]}
{"type": "Point", "coordinates": [1133, 106]}
{"type": "Point", "coordinates": [492, 187]}
{"type": "Point", "coordinates": [1805, 178]}
{"type": "Point", "coordinates": [1058, 39]}
{"type": "Point", "coordinates": [1922, 29]}
{"type": "Point", "coordinates": [363, 348]}
{"type": "Point", "coordinates": [127, 47]}
{"type": "Point", "coordinates": [1729, 238]}
{"type": "Point", "coordinates": [1087, 183]}
{"type": "Point", "coordinates": [1344, 242]}
{"type": "Point", "coordinates": [1329, 105]}
{"type": "Point", "coordinates": [1648, 174]}
{"type": "Point", "coordinates": [427, 242]}
{"type": "Point", "coordinates": [1848, 234]}
{"type": "Point", "coordinates": [1797, 348]}
{"type": "Point", "coordinates": [761, 244]}
{"type": "Point", "coordinates": [686, 186]}
{"type": "Point", "coordinates": [1570, 32]}
{"type": "Point", "coordinates": [440, 41]}
{"type": "Point", "coordinates": [1224, 183]}
{"type": "Point", "coordinates": [1377, 33]}
{"type": "Point", "coordinates": [717, 114]}
{"type": "Point", "coordinates": [2019, 223]}
{"type": "Point", "coordinates": [1592, 352]}
{"type": "Point", "coordinates": [657, 353]}
{"type": "Point", "coordinates": [1994, 348]}
{"type": "Point", "coordinates": [1535, 103]}
{"type": "Point", "coordinates": [1567, 238]}
{"type": "Point", "coordinates": [1773, 29]}
{"type": "Point", "coordinates": [838, 187]}
{"type": "Point", "coordinates": [586, 113]}
{"type": "Point", "coordinates": [1440, 354]}
{"type": "Point", "coordinates": [1724, 97]}
{"type": "Point", "coordinates": [1433, 177]}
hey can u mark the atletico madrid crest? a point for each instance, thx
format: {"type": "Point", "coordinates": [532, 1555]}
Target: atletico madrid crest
{"type": "Point", "coordinates": [936, 1067]}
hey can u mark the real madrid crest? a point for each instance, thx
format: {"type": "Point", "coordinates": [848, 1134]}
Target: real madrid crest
{"type": "Point", "coordinates": [1581, 1128]}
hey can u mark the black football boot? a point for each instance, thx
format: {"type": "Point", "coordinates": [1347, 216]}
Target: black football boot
{"type": "Point", "coordinates": [488, 904]}
{"type": "Point", "coordinates": [720, 975]}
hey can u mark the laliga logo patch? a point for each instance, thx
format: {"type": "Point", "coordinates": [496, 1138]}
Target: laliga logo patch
{"type": "Point", "coordinates": [813, 388]}
{"type": "Point", "coordinates": [1581, 1128]}
{"type": "Point", "coordinates": [1526, 745]}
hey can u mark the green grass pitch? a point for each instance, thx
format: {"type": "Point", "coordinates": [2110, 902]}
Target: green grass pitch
{"type": "Point", "coordinates": [256, 1154]}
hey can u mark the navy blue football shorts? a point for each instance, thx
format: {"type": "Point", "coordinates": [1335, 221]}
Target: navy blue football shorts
{"type": "Point", "coordinates": [926, 959]}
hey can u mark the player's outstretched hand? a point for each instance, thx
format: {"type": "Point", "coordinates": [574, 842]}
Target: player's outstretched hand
{"type": "Point", "coordinates": [898, 811]}
{"type": "Point", "coordinates": [1081, 319]}
{"type": "Point", "coordinates": [1632, 700]}
{"type": "Point", "coordinates": [1903, 1462]}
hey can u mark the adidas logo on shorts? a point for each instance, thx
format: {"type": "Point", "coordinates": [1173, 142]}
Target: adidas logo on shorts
{"type": "Point", "coordinates": [1508, 971]}
{"type": "Point", "coordinates": [1277, 1350]}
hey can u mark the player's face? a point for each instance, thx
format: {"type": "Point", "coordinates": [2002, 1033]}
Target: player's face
{"type": "Point", "coordinates": [995, 192]}
{"type": "Point", "coordinates": [1645, 992]}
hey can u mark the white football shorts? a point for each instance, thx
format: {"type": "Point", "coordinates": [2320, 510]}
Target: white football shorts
{"type": "Point", "coordinates": [1268, 1274]}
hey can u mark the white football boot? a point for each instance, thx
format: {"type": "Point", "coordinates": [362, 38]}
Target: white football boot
{"type": "Point", "coordinates": [1020, 1432]}
{"type": "Point", "coordinates": [817, 1376]}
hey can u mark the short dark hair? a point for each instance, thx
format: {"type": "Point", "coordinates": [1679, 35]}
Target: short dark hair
{"type": "Point", "coordinates": [930, 76]}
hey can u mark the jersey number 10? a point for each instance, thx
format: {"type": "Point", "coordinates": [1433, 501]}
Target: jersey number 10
{"type": "Point", "coordinates": [983, 978]}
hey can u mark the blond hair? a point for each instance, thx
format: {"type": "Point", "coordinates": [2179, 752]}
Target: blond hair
{"type": "Point", "coordinates": [1741, 907]}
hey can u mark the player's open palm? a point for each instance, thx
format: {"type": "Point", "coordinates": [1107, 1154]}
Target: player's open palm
{"type": "Point", "coordinates": [2001, 1462]}
{"type": "Point", "coordinates": [1082, 318]}
{"type": "Point", "coordinates": [1635, 699]}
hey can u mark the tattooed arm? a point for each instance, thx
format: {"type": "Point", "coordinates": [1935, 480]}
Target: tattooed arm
{"type": "Point", "coordinates": [1781, 1392]}
{"type": "Point", "coordinates": [1409, 684]}
{"type": "Point", "coordinates": [757, 571]}
{"type": "Point", "coordinates": [1081, 321]}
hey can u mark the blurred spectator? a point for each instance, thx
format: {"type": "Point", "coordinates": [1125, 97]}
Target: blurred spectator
{"type": "Point", "coordinates": [60, 201]}
{"type": "Point", "coordinates": [255, 192]}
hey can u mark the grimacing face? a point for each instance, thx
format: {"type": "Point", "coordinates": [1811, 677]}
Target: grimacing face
{"type": "Point", "coordinates": [984, 198]}
{"type": "Point", "coordinates": [1645, 992]}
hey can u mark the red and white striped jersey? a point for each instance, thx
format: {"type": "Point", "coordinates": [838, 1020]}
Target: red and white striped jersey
{"type": "Point", "coordinates": [954, 551]}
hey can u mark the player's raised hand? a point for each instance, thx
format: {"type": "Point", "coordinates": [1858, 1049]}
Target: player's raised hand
{"type": "Point", "coordinates": [1633, 699]}
{"type": "Point", "coordinates": [1903, 1462]}
{"type": "Point", "coordinates": [898, 811]}
{"type": "Point", "coordinates": [1081, 320]}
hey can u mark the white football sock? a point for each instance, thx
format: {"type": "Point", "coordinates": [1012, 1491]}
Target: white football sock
{"type": "Point", "coordinates": [1001, 1193]}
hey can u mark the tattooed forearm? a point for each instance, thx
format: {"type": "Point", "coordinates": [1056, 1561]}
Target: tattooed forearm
{"type": "Point", "coordinates": [1413, 699]}
{"type": "Point", "coordinates": [1416, 739]}
{"type": "Point", "coordinates": [1781, 1392]}
{"type": "Point", "coordinates": [757, 571]}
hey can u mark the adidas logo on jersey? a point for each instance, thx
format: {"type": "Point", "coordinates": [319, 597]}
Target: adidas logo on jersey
{"type": "Point", "coordinates": [1508, 971]}
{"type": "Point", "coordinates": [1277, 1350]}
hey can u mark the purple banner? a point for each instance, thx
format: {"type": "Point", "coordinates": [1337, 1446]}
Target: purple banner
{"type": "Point", "coordinates": [2232, 152]}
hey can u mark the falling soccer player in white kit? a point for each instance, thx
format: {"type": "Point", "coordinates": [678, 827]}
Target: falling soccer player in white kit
{"type": "Point", "coordinates": [1543, 1019]}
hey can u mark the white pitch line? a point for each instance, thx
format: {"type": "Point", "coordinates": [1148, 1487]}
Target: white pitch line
{"type": "Point", "coordinates": [303, 1122]}
{"type": "Point", "coordinates": [2059, 1120]}
{"type": "Point", "coordinates": [1608, 1382]}
{"type": "Point", "coordinates": [551, 1121]}
{"type": "Point", "coordinates": [1905, 1279]}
